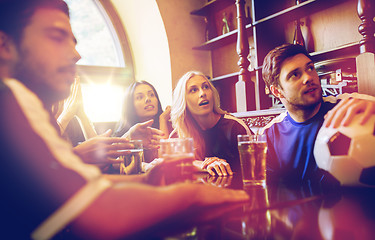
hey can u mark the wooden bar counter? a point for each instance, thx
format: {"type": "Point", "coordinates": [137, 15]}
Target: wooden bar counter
{"type": "Point", "coordinates": [275, 212]}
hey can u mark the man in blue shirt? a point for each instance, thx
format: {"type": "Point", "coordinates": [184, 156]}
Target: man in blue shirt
{"type": "Point", "coordinates": [289, 73]}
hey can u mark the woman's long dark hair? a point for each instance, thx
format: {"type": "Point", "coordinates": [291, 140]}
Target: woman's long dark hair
{"type": "Point", "coordinates": [128, 115]}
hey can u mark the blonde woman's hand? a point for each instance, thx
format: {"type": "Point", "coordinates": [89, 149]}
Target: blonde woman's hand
{"type": "Point", "coordinates": [166, 115]}
{"type": "Point", "coordinates": [217, 166]}
{"type": "Point", "coordinates": [164, 120]}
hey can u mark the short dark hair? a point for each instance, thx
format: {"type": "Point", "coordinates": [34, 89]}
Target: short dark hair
{"type": "Point", "coordinates": [275, 58]}
{"type": "Point", "coordinates": [15, 14]}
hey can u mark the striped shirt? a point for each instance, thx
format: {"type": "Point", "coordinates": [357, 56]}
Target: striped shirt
{"type": "Point", "coordinates": [45, 186]}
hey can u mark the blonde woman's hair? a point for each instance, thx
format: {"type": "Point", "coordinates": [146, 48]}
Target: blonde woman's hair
{"type": "Point", "coordinates": [182, 120]}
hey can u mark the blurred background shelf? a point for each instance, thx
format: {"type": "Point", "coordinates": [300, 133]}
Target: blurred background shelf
{"type": "Point", "coordinates": [329, 29]}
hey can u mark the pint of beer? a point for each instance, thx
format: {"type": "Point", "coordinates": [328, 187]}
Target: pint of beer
{"type": "Point", "coordinates": [179, 154]}
{"type": "Point", "coordinates": [253, 150]}
{"type": "Point", "coordinates": [176, 147]}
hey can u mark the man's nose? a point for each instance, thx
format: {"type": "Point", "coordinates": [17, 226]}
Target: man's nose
{"type": "Point", "coordinates": [76, 55]}
{"type": "Point", "coordinates": [307, 78]}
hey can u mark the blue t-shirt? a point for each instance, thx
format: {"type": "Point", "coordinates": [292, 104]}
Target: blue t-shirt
{"type": "Point", "coordinates": [290, 148]}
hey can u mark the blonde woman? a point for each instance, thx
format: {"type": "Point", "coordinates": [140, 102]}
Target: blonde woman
{"type": "Point", "coordinates": [196, 113]}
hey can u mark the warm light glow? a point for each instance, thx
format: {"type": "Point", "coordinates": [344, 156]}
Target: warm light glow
{"type": "Point", "coordinates": [149, 44]}
{"type": "Point", "coordinates": [102, 102]}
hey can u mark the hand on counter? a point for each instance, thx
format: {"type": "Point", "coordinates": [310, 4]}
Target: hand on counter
{"type": "Point", "coordinates": [216, 166]}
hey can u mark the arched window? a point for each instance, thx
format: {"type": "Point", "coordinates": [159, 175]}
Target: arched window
{"type": "Point", "coordinates": [106, 66]}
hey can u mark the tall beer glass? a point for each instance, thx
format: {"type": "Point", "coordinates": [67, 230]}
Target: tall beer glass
{"type": "Point", "coordinates": [253, 150]}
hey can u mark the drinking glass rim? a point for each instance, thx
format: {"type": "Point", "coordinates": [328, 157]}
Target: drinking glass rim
{"type": "Point", "coordinates": [174, 139]}
{"type": "Point", "coordinates": [131, 150]}
{"type": "Point", "coordinates": [251, 138]}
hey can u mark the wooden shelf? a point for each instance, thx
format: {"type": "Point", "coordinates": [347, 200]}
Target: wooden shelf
{"type": "Point", "coordinates": [213, 5]}
{"type": "Point", "coordinates": [299, 11]}
{"type": "Point", "coordinates": [222, 40]}
{"type": "Point", "coordinates": [291, 13]}
{"type": "Point", "coordinates": [230, 75]}
{"type": "Point", "coordinates": [348, 50]}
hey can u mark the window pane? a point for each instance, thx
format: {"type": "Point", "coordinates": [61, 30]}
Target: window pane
{"type": "Point", "coordinates": [96, 43]}
{"type": "Point", "coordinates": [102, 102]}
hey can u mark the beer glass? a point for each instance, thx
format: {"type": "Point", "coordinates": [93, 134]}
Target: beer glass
{"type": "Point", "coordinates": [179, 156]}
{"type": "Point", "coordinates": [176, 147]}
{"type": "Point", "coordinates": [132, 162]}
{"type": "Point", "coordinates": [253, 150]}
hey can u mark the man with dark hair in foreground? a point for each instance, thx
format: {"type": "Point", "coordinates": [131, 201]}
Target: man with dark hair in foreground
{"type": "Point", "coordinates": [45, 186]}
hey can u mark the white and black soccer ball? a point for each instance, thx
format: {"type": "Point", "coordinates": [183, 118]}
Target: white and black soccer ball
{"type": "Point", "coordinates": [348, 153]}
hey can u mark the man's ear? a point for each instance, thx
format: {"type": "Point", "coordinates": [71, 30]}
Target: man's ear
{"type": "Point", "coordinates": [3, 39]}
{"type": "Point", "coordinates": [7, 48]}
{"type": "Point", "coordinates": [276, 91]}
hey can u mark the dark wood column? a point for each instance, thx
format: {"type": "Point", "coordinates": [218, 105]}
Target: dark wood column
{"type": "Point", "coordinates": [244, 86]}
{"type": "Point", "coordinates": [366, 59]}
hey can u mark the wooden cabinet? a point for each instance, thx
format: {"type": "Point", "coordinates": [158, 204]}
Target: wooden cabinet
{"type": "Point", "coordinates": [330, 30]}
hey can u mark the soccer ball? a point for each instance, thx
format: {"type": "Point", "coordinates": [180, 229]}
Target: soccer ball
{"type": "Point", "coordinates": [348, 153]}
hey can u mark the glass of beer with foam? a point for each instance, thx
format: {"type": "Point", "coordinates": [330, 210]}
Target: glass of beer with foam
{"type": "Point", "coordinates": [253, 152]}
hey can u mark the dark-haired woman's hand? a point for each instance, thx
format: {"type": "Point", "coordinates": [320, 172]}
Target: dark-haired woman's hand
{"type": "Point", "coordinates": [143, 131]}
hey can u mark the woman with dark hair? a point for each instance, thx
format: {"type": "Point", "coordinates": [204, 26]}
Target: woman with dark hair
{"type": "Point", "coordinates": [141, 104]}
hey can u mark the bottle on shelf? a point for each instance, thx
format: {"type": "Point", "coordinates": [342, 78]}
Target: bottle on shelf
{"type": "Point", "coordinates": [225, 28]}
{"type": "Point", "coordinates": [298, 37]}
